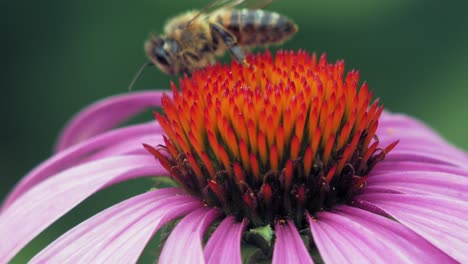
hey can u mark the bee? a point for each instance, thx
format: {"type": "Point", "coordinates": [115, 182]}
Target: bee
{"type": "Point", "coordinates": [194, 39]}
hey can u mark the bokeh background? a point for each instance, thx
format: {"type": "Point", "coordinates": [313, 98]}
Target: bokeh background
{"type": "Point", "coordinates": [59, 56]}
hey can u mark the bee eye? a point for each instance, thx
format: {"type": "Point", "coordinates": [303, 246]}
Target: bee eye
{"type": "Point", "coordinates": [162, 60]}
{"type": "Point", "coordinates": [161, 56]}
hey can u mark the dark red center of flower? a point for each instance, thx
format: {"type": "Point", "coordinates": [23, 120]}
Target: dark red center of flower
{"type": "Point", "coordinates": [272, 140]}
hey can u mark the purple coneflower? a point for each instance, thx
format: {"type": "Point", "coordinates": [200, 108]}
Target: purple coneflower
{"type": "Point", "coordinates": [287, 155]}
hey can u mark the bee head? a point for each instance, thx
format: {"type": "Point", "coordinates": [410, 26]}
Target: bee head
{"type": "Point", "coordinates": [163, 53]}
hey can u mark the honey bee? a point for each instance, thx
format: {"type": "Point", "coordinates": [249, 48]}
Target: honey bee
{"type": "Point", "coordinates": [194, 39]}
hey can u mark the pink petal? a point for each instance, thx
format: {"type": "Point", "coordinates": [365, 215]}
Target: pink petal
{"type": "Point", "coordinates": [418, 144]}
{"type": "Point", "coordinates": [224, 244]}
{"type": "Point", "coordinates": [106, 114]}
{"type": "Point", "coordinates": [410, 166]}
{"type": "Point", "coordinates": [77, 153]}
{"type": "Point", "coordinates": [420, 182]}
{"type": "Point", "coordinates": [132, 145]}
{"type": "Point", "coordinates": [422, 155]}
{"type": "Point", "coordinates": [120, 233]}
{"type": "Point", "coordinates": [399, 120]}
{"type": "Point", "coordinates": [184, 244]}
{"type": "Point", "coordinates": [401, 125]}
{"type": "Point", "coordinates": [354, 235]}
{"type": "Point", "coordinates": [417, 139]}
{"type": "Point", "coordinates": [441, 220]}
{"type": "Point", "coordinates": [41, 205]}
{"type": "Point", "coordinates": [289, 247]}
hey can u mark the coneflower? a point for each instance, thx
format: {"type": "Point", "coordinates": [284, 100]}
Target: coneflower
{"type": "Point", "coordinates": [288, 155]}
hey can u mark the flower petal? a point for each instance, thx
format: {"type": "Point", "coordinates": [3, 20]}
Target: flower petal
{"type": "Point", "coordinates": [420, 182]}
{"type": "Point", "coordinates": [184, 244]}
{"type": "Point", "coordinates": [354, 235]}
{"type": "Point", "coordinates": [410, 166]}
{"type": "Point", "coordinates": [224, 244]}
{"type": "Point", "coordinates": [441, 220]}
{"type": "Point", "coordinates": [52, 198]}
{"type": "Point", "coordinates": [77, 153]}
{"type": "Point", "coordinates": [289, 247]}
{"type": "Point", "coordinates": [417, 141]}
{"type": "Point", "coordinates": [132, 145]}
{"type": "Point", "coordinates": [120, 233]}
{"type": "Point", "coordinates": [423, 155]}
{"type": "Point", "coordinates": [106, 114]}
{"type": "Point", "coordinates": [400, 125]}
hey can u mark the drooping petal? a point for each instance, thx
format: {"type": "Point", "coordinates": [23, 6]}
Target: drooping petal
{"type": "Point", "coordinates": [77, 153]}
{"type": "Point", "coordinates": [421, 155]}
{"type": "Point", "coordinates": [41, 205]}
{"type": "Point", "coordinates": [224, 244]}
{"type": "Point", "coordinates": [184, 244]}
{"type": "Point", "coordinates": [353, 235]}
{"type": "Point", "coordinates": [120, 233]}
{"type": "Point", "coordinates": [128, 146]}
{"type": "Point", "coordinates": [417, 141]}
{"type": "Point", "coordinates": [441, 220]}
{"type": "Point", "coordinates": [398, 125]}
{"type": "Point", "coordinates": [106, 114]}
{"type": "Point", "coordinates": [289, 247]}
{"type": "Point", "coordinates": [420, 182]}
{"type": "Point", "coordinates": [411, 166]}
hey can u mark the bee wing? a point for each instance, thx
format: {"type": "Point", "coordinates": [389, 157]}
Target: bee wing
{"type": "Point", "coordinates": [230, 3]}
{"type": "Point", "coordinates": [254, 4]}
{"type": "Point", "coordinates": [213, 5]}
{"type": "Point", "coordinates": [227, 4]}
{"type": "Point", "coordinates": [249, 4]}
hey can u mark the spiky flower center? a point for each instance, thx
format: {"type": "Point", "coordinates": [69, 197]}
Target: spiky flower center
{"type": "Point", "coordinates": [272, 140]}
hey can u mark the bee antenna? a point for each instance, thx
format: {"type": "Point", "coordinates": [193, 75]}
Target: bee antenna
{"type": "Point", "coordinates": [138, 74]}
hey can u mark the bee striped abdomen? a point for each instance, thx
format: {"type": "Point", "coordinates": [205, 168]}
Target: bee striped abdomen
{"type": "Point", "coordinates": [257, 27]}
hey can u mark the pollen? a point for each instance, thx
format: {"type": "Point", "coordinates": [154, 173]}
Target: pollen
{"type": "Point", "coordinates": [281, 136]}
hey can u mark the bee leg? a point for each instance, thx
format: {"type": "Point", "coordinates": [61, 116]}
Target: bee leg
{"type": "Point", "coordinates": [238, 54]}
{"type": "Point", "coordinates": [246, 51]}
{"type": "Point", "coordinates": [187, 72]}
{"type": "Point", "coordinates": [230, 41]}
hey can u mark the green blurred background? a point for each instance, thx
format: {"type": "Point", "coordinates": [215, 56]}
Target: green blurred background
{"type": "Point", "coordinates": [59, 56]}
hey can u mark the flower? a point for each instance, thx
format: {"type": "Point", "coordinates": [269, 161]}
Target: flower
{"type": "Point", "coordinates": [278, 153]}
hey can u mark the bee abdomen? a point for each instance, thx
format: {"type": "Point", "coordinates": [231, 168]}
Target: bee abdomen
{"type": "Point", "coordinates": [258, 27]}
